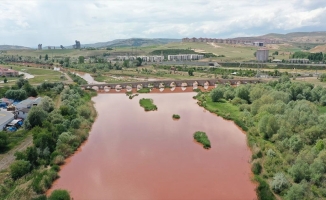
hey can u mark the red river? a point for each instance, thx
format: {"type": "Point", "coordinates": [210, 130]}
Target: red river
{"type": "Point", "coordinates": [136, 155]}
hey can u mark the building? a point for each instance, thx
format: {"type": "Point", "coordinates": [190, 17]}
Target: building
{"type": "Point", "coordinates": [28, 103]}
{"type": "Point", "coordinates": [185, 57]}
{"type": "Point", "coordinates": [77, 45]}
{"type": "Point", "coordinates": [247, 41]}
{"type": "Point", "coordinates": [144, 58]}
{"type": "Point", "coordinates": [262, 55]}
{"type": "Point", "coordinates": [39, 47]}
{"type": "Point", "coordinates": [23, 107]}
{"type": "Point", "coordinates": [258, 44]}
{"type": "Point", "coordinates": [5, 118]}
{"type": "Point", "coordinates": [299, 60]}
{"type": "Point", "coordinates": [8, 72]}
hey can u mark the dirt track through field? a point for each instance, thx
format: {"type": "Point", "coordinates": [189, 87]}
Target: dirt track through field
{"type": "Point", "coordinates": [9, 157]}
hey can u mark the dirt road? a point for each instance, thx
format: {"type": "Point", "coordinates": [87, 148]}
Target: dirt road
{"type": "Point", "coordinates": [7, 158]}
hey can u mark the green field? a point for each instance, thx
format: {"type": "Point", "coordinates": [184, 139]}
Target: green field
{"type": "Point", "coordinates": [40, 75]}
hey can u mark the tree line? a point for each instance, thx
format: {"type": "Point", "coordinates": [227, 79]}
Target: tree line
{"type": "Point", "coordinates": [286, 130]}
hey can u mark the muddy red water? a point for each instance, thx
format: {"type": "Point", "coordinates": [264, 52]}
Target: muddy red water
{"type": "Point", "coordinates": [133, 154]}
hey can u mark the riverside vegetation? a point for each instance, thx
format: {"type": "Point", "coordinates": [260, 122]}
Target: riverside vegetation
{"type": "Point", "coordinates": [58, 129]}
{"type": "Point", "coordinates": [286, 128]}
{"type": "Point", "coordinates": [202, 138]}
{"type": "Point", "coordinates": [147, 104]}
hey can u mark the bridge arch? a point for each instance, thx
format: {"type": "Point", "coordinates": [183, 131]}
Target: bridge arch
{"type": "Point", "coordinates": [161, 85]}
{"type": "Point", "coordinates": [96, 88]}
{"type": "Point", "coordinates": [106, 88]}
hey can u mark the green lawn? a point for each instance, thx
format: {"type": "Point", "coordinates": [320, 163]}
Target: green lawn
{"type": "Point", "coordinates": [322, 109]}
{"type": "Point", "coordinates": [40, 75]}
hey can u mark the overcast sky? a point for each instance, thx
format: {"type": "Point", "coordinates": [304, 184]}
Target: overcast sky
{"type": "Point", "coordinates": [56, 22]}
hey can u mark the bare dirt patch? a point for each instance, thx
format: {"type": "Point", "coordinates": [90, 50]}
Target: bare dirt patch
{"type": "Point", "coordinates": [214, 45]}
{"type": "Point", "coordinates": [319, 48]}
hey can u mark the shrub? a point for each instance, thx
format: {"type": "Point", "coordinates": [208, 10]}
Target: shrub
{"type": "Point", "coordinates": [19, 168]}
{"type": "Point", "coordinates": [59, 160]}
{"type": "Point", "coordinates": [256, 168]}
{"type": "Point", "coordinates": [217, 94]}
{"type": "Point", "coordinates": [59, 195]}
{"type": "Point", "coordinates": [84, 112]}
{"type": "Point", "coordinates": [175, 116]}
{"type": "Point", "coordinates": [279, 182]}
{"type": "Point", "coordinates": [202, 138]}
{"type": "Point", "coordinates": [263, 191]}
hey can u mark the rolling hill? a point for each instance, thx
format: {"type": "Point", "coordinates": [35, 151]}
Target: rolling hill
{"type": "Point", "coordinates": [12, 47]}
{"type": "Point", "coordinates": [132, 42]}
{"type": "Point", "coordinates": [298, 37]}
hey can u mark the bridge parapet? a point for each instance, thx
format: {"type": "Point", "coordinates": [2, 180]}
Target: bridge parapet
{"type": "Point", "coordinates": [178, 83]}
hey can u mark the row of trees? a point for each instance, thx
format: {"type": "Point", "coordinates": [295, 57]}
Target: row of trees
{"type": "Point", "coordinates": [311, 56]}
{"type": "Point", "coordinates": [57, 133]}
{"type": "Point", "coordinates": [286, 132]}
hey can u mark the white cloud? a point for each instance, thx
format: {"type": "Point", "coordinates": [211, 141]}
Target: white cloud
{"type": "Point", "coordinates": [61, 22]}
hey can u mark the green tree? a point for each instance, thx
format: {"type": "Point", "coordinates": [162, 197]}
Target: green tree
{"type": "Point", "coordinates": [279, 182]}
{"type": "Point", "coordinates": [30, 90]}
{"type": "Point", "coordinates": [139, 61]}
{"type": "Point", "coordinates": [19, 168]}
{"type": "Point", "coordinates": [81, 59]}
{"type": "Point", "coordinates": [298, 191]}
{"type": "Point", "coordinates": [243, 93]}
{"type": "Point", "coordinates": [5, 80]}
{"type": "Point", "coordinates": [3, 141]}
{"type": "Point", "coordinates": [35, 117]}
{"type": "Point", "coordinates": [300, 170]}
{"type": "Point", "coordinates": [94, 70]}
{"type": "Point", "coordinates": [16, 94]}
{"type": "Point", "coordinates": [217, 94]}
{"type": "Point", "coordinates": [40, 57]}
{"type": "Point", "coordinates": [46, 57]}
{"type": "Point", "coordinates": [59, 195]}
{"type": "Point", "coordinates": [125, 63]}
{"type": "Point", "coordinates": [191, 72]}
{"type": "Point", "coordinates": [47, 104]}
{"type": "Point", "coordinates": [21, 82]}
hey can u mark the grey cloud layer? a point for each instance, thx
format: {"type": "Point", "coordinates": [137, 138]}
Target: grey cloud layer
{"type": "Point", "coordinates": [61, 22]}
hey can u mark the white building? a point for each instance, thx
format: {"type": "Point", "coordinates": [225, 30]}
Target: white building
{"type": "Point", "coordinates": [5, 118]}
{"type": "Point", "coordinates": [23, 107]}
{"type": "Point", "coordinates": [185, 57]}
{"type": "Point", "coordinates": [144, 58]}
{"type": "Point", "coordinates": [262, 55]}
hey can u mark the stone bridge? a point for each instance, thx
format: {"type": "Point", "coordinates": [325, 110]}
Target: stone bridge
{"type": "Point", "coordinates": [171, 83]}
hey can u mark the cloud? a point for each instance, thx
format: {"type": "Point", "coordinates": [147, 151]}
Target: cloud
{"type": "Point", "coordinates": [61, 22]}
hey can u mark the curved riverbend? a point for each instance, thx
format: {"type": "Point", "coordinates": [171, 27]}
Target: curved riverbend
{"type": "Point", "coordinates": [132, 154]}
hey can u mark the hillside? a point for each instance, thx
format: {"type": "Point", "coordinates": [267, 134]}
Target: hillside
{"type": "Point", "coordinates": [132, 42]}
{"type": "Point", "coordinates": [319, 48]}
{"type": "Point", "coordinates": [298, 37]}
{"type": "Point", "coordinates": [12, 47]}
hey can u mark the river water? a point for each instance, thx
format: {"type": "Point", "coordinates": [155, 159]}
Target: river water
{"type": "Point", "coordinates": [133, 154]}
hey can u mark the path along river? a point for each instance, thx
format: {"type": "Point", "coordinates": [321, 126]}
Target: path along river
{"type": "Point", "coordinates": [133, 154]}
